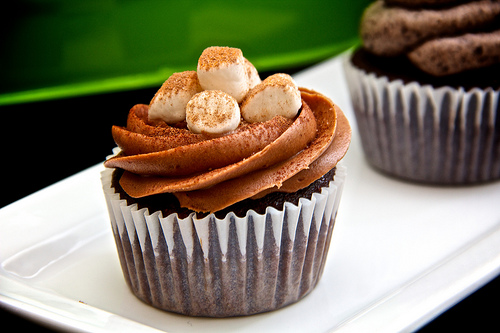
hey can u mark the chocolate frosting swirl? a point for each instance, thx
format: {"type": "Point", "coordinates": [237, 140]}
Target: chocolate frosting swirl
{"type": "Point", "coordinates": [439, 37]}
{"type": "Point", "coordinates": [208, 173]}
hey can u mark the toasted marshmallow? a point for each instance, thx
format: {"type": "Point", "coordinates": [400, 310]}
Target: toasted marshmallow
{"type": "Point", "coordinates": [212, 112]}
{"type": "Point", "coordinates": [169, 102]}
{"type": "Point", "coordinates": [225, 69]}
{"type": "Point", "coordinates": [277, 95]}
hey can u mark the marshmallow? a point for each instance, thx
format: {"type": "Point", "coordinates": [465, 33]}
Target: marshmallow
{"type": "Point", "coordinates": [277, 95]}
{"type": "Point", "coordinates": [169, 102]}
{"type": "Point", "coordinates": [225, 68]}
{"type": "Point", "coordinates": [212, 112]}
{"type": "Point", "coordinates": [253, 75]}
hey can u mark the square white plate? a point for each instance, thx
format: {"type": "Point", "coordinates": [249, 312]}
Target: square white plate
{"type": "Point", "coordinates": [401, 253]}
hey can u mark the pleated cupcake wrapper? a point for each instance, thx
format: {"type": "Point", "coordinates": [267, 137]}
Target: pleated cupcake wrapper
{"type": "Point", "coordinates": [437, 135]}
{"type": "Point", "coordinates": [224, 267]}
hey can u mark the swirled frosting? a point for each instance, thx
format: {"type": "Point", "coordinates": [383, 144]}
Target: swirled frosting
{"type": "Point", "coordinates": [440, 37]}
{"type": "Point", "coordinates": [219, 135]}
{"type": "Point", "coordinates": [207, 173]}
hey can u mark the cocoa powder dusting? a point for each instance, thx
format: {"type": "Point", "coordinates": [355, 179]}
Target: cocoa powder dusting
{"type": "Point", "coordinates": [218, 56]}
{"type": "Point", "coordinates": [181, 81]}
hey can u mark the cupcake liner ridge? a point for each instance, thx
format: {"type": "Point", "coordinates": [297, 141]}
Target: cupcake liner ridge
{"type": "Point", "coordinates": [445, 135]}
{"type": "Point", "coordinates": [224, 267]}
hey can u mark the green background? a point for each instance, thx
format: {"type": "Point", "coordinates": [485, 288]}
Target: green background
{"type": "Point", "coordinates": [56, 48]}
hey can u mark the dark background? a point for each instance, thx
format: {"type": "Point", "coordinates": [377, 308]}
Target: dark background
{"type": "Point", "coordinates": [45, 142]}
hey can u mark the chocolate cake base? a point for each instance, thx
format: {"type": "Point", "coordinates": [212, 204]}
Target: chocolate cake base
{"type": "Point", "coordinates": [168, 203]}
{"type": "Point", "coordinates": [228, 266]}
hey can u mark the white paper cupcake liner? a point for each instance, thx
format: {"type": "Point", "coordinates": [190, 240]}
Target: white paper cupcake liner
{"type": "Point", "coordinates": [224, 267]}
{"type": "Point", "coordinates": [435, 135]}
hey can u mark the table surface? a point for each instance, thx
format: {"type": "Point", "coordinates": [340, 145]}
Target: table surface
{"type": "Point", "coordinates": [74, 134]}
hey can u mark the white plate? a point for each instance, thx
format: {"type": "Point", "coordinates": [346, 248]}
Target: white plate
{"type": "Point", "coordinates": [401, 253]}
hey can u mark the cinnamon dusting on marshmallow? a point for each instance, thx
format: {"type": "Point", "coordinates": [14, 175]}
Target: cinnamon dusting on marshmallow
{"type": "Point", "coordinates": [278, 94]}
{"type": "Point", "coordinates": [276, 147]}
{"type": "Point", "coordinates": [212, 112]}
{"type": "Point", "coordinates": [219, 56]}
{"type": "Point", "coordinates": [169, 102]}
{"type": "Point", "coordinates": [224, 68]}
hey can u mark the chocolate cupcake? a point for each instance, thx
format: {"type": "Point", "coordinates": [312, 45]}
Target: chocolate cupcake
{"type": "Point", "coordinates": [425, 87]}
{"type": "Point", "coordinates": [220, 215]}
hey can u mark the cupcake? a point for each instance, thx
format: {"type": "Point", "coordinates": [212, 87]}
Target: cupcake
{"type": "Point", "coordinates": [223, 191]}
{"type": "Point", "coordinates": [425, 86]}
